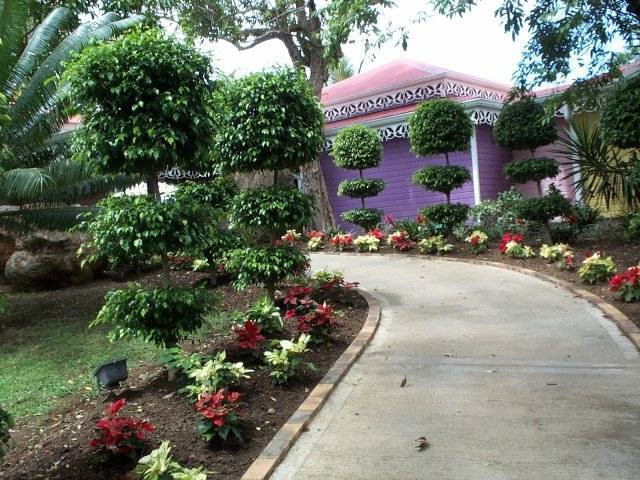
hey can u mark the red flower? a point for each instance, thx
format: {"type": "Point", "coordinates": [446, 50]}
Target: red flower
{"type": "Point", "coordinates": [377, 233]}
{"type": "Point", "coordinates": [120, 435]}
{"type": "Point", "coordinates": [315, 234]}
{"type": "Point", "coordinates": [401, 241]}
{"type": "Point", "coordinates": [248, 335]}
{"type": "Point", "coordinates": [294, 294]}
{"type": "Point", "coordinates": [115, 407]}
{"type": "Point", "coordinates": [389, 219]}
{"type": "Point", "coordinates": [290, 314]}
{"type": "Point", "coordinates": [215, 407]}
{"type": "Point", "coordinates": [510, 237]}
{"type": "Point", "coordinates": [629, 277]}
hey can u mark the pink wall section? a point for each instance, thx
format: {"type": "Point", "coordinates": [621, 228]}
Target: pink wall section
{"type": "Point", "coordinates": [491, 161]}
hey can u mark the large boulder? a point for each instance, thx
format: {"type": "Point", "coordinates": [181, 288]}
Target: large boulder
{"type": "Point", "coordinates": [46, 260]}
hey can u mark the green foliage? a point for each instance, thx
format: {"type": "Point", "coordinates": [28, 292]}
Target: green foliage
{"type": "Point", "coordinates": [542, 209]}
{"type": "Point", "coordinates": [357, 147]}
{"type": "Point", "coordinates": [6, 423]}
{"type": "Point", "coordinates": [619, 121]}
{"type": "Point", "coordinates": [146, 102]}
{"type": "Point", "coordinates": [360, 188]}
{"type": "Point", "coordinates": [266, 315]}
{"type": "Point", "coordinates": [597, 268]}
{"type": "Point", "coordinates": [286, 357]}
{"type": "Point", "coordinates": [415, 230]}
{"type": "Point", "coordinates": [127, 229]}
{"type": "Point", "coordinates": [275, 208]}
{"type": "Point", "coordinates": [216, 194]}
{"type": "Point", "coordinates": [267, 121]}
{"type": "Point", "coordinates": [435, 245]}
{"type": "Point", "coordinates": [367, 218]}
{"type": "Point", "coordinates": [159, 465]}
{"type": "Point", "coordinates": [531, 169]}
{"type": "Point", "coordinates": [438, 127]}
{"type": "Point", "coordinates": [563, 232]}
{"type": "Point", "coordinates": [630, 226]}
{"type": "Point", "coordinates": [442, 178]}
{"type": "Point", "coordinates": [4, 305]}
{"type": "Point", "coordinates": [266, 265]}
{"type": "Point", "coordinates": [585, 215]}
{"type": "Point", "coordinates": [498, 216]}
{"type": "Point", "coordinates": [522, 125]}
{"type": "Point", "coordinates": [445, 217]}
{"type": "Point", "coordinates": [159, 315]}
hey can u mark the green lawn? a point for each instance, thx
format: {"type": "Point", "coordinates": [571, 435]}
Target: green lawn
{"type": "Point", "coordinates": [48, 351]}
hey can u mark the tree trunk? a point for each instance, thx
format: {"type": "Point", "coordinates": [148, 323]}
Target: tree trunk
{"type": "Point", "coordinates": [548, 237]}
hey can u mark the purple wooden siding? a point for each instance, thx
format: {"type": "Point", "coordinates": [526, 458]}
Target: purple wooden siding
{"type": "Point", "coordinates": [491, 160]}
{"type": "Point", "coordinates": [400, 199]}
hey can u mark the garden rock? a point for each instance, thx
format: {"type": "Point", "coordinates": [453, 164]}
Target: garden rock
{"type": "Point", "coordinates": [47, 260]}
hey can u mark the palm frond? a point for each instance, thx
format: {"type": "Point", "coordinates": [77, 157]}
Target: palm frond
{"type": "Point", "coordinates": [52, 218]}
{"type": "Point", "coordinates": [22, 185]}
{"type": "Point", "coordinates": [14, 15]}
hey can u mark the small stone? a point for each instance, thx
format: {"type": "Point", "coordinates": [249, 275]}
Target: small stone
{"type": "Point", "coordinates": [271, 411]}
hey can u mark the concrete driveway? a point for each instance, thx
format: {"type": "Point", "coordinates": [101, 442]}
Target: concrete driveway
{"type": "Point", "coordinates": [508, 377]}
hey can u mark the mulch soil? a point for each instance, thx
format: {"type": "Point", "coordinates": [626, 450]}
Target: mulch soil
{"type": "Point", "coordinates": [58, 447]}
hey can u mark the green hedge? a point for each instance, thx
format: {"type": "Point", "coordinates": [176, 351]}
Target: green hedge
{"type": "Point", "coordinates": [445, 217]}
{"type": "Point", "coordinates": [360, 188]}
{"type": "Point", "coordinates": [531, 169]}
{"type": "Point", "coordinates": [442, 178]}
{"type": "Point", "coordinates": [620, 114]}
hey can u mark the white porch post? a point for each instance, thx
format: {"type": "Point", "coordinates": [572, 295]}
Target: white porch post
{"type": "Point", "coordinates": [475, 169]}
{"type": "Point", "coordinates": [577, 174]}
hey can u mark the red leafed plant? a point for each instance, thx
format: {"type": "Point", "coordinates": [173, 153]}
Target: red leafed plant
{"type": "Point", "coordinates": [627, 284]}
{"type": "Point", "coordinates": [220, 415]}
{"type": "Point", "coordinates": [313, 318]}
{"type": "Point", "coordinates": [248, 335]}
{"type": "Point", "coordinates": [120, 435]}
{"type": "Point", "coordinates": [377, 233]}
{"type": "Point", "coordinates": [314, 234]}
{"type": "Point", "coordinates": [342, 241]}
{"type": "Point", "coordinates": [297, 294]}
{"type": "Point", "coordinates": [510, 237]}
{"type": "Point", "coordinates": [400, 241]}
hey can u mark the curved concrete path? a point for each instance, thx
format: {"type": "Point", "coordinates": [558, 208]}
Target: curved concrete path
{"type": "Point", "coordinates": [509, 378]}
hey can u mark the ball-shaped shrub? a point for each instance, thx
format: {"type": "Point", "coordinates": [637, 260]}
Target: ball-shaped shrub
{"type": "Point", "coordinates": [444, 217]}
{"type": "Point", "coordinates": [531, 169]}
{"type": "Point", "coordinates": [216, 194]}
{"type": "Point", "coordinates": [159, 315]}
{"type": "Point", "coordinates": [357, 147]}
{"type": "Point", "coordinates": [367, 218]}
{"type": "Point", "coordinates": [265, 265]}
{"type": "Point", "coordinates": [360, 188]}
{"type": "Point", "coordinates": [620, 114]}
{"type": "Point", "coordinates": [145, 101]}
{"type": "Point", "coordinates": [522, 125]}
{"type": "Point", "coordinates": [442, 178]}
{"type": "Point", "coordinates": [267, 121]}
{"type": "Point", "coordinates": [438, 127]}
{"type": "Point", "coordinates": [275, 208]}
{"type": "Point", "coordinates": [542, 209]}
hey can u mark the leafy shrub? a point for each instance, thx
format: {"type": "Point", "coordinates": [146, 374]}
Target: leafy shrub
{"type": "Point", "coordinates": [531, 169]}
{"type": "Point", "coordinates": [341, 241]}
{"type": "Point", "coordinates": [273, 208]}
{"type": "Point", "coordinates": [220, 415]}
{"type": "Point", "coordinates": [360, 188]}
{"type": "Point", "coordinates": [266, 265]}
{"type": "Point", "coordinates": [145, 101]}
{"type": "Point", "coordinates": [584, 215]}
{"type": "Point", "coordinates": [216, 193]}
{"type": "Point", "coordinates": [328, 280]}
{"type": "Point", "coordinates": [620, 114]}
{"type": "Point", "coordinates": [444, 217]}
{"type": "Point", "coordinates": [160, 315]}
{"type": "Point", "coordinates": [597, 268]}
{"type": "Point", "coordinates": [434, 245]}
{"type": "Point", "coordinates": [521, 125]}
{"type": "Point", "coordinates": [630, 226]}
{"type": "Point", "coordinates": [248, 335]}
{"type": "Point", "coordinates": [267, 121]}
{"type": "Point", "coordinates": [266, 315]}
{"type": "Point", "coordinates": [415, 230]}
{"type": "Point", "coordinates": [442, 178]}
{"type": "Point", "coordinates": [286, 356]}
{"type": "Point", "coordinates": [542, 209]}
{"type": "Point", "coordinates": [120, 435]}
{"type": "Point", "coordinates": [512, 246]}
{"type": "Point", "coordinates": [367, 218]}
{"type": "Point", "coordinates": [315, 244]}
{"type": "Point", "coordinates": [563, 232]}
{"type": "Point", "coordinates": [477, 241]}
{"type": "Point", "coordinates": [401, 241]}
{"type": "Point", "coordinates": [559, 254]}
{"type": "Point", "coordinates": [159, 465]}
{"type": "Point", "coordinates": [439, 127]}
{"type": "Point", "coordinates": [367, 243]}
{"type": "Point", "coordinates": [627, 284]}
{"type": "Point", "coordinates": [6, 423]}
{"type": "Point", "coordinates": [496, 217]}
{"type": "Point", "coordinates": [356, 148]}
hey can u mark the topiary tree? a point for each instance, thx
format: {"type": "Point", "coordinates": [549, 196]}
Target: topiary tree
{"type": "Point", "coordinates": [522, 125]}
{"type": "Point", "coordinates": [620, 113]}
{"type": "Point", "coordinates": [358, 148]}
{"type": "Point", "coordinates": [439, 127]}
{"type": "Point", "coordinates": [268, 121]}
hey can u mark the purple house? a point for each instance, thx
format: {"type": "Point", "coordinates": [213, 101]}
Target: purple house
{"type": "Point", "coordinates": [383, 98]}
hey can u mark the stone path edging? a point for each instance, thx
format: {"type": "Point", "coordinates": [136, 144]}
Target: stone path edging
{"type": "Point", "coordinates": [276, 450]}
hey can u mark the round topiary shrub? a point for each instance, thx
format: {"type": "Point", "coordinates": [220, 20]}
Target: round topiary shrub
{"type": "Point", "coordinates": [361, 188]}
{"type": "Point", "coordinates": [160, 315]}
{"type": "Point", "coordinates": [442, 178]}
{"type": "Point", "coordinates": [439, 127]}
{"type": "Point", "coordinates": [522, 125]}
{"type": "Point", "coordinates": [444, 217]}
{"type": "Point", "coordinates": [541, 209]}
{"type": "Point", "coordinates": [367, 218]}
{"type": "Point", "coordinates": [531, 169]}
{"type": "Point", "coordinates": [273, 208]}
{"type": "Point", "coordinates": [620, 114]}
{"type": "Point", "coordinates": [357, 148]}
{"type": "Point", "coordinates": [267, 121]}
{"type": "Point", "coordinates": [216, 194]}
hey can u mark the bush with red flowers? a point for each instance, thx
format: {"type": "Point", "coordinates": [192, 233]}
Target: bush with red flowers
{"type": "Point", "coordinates": [342, 241]}
{"type": "Point", "coordinates": [248, 335]}
{"type": "Point", "coordinates": [401, 241]}
{"type": "Point", "coordinates": [220, 415]}
{"type": "Point", "coordinates": [312, 318]}
{"type": "Point", "coordinates": [627, 284]}
{"type": "Point", "coordinates": [510, 237]}
{"type": "Point", "coordinates": [328, 281]}
{"type": "Point", "coordinates": [120, 435]}
{"type": "Point", "coordinates": [377, 233]}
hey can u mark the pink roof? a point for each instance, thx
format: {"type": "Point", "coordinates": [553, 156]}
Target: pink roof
{"type": "Point", "coordinates": [373, 116]}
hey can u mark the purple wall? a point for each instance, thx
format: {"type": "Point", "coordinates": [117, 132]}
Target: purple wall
{"type": "Point", "coordinates": [400, 199]}
{"type": "Point", "coordinates": [491, 160]}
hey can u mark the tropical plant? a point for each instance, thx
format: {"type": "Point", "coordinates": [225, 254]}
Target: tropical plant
{"type": "Point", "coordinates": [477, 241]}
{"type": "Point", "coordinates": [264, 313]}
{"type": "Point", "coordinates": [159, 465]}
{"type": "Point", "coordinates": [367, 243]}
{"type": "Point", "coordinates": [286, 357]}
{"type": "Point", "coordinates": [220, 415]}
{"type": "Point", "coordinates": [495, 217]}
{"type": "Point", "coordinates": [630, 226]}
{"type": "Point", "coordinates": [120, 435]}
{"type": "Point", "coordinates": [597, 268]}
{"type": "Point", "coordinates": [435, 245]}
{"type": "Point", "coordinates": [627, 284]}
{"type": "Point", "coordinates": [37, 172]}
{"type": "Point", "coordinates": [400, 240]}
{"type": "Point", "coordinates": [340, 70]}
{"type": "Point", "coordinates": [444, 217]}
{"type": "Point", "coordinates": [559, 254]}
{"type": "Point", "coordinates": [522, 125]}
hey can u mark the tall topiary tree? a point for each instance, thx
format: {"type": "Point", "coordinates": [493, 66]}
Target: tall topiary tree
{"type": "Point", "coordinates": [522, 125]}
{"type": "Point", "coordinates": [268, 121]}
{"type": "Point", "coordinates": [440, 127]}
{"type": "Point", "coordinates": [358, 148]}
{"type": "Point", "coordinates": [146, 104]}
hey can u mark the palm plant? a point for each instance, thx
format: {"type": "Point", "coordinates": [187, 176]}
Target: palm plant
{"type": "Point", "coordinates": [37, 172]}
